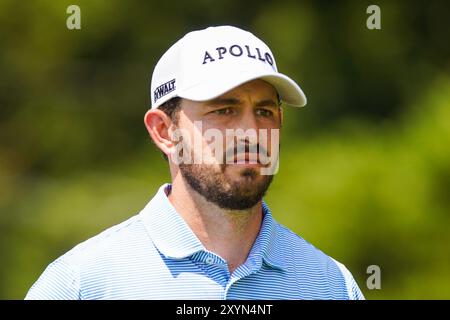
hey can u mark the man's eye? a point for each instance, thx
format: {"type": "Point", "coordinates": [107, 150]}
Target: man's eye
{"type": "Point", "coordinates": [223, 111]}
{"type": "Point", "coordinates": [264, 112]}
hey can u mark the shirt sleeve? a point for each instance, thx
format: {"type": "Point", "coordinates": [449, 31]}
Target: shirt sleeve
{"type": "Point", "coordinates": [353, 291]}
{"type": "Point", "coordinates": [60, 281]}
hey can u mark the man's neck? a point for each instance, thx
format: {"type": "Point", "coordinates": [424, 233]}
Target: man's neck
{"type": "Point", "coordinates": [228, 233]}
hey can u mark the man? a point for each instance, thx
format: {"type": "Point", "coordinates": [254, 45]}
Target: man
{"type": "Point", "coordinates": [215, 115]}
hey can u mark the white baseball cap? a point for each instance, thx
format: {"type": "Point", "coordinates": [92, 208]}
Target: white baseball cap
{"type": "Point", "coordinates": [207, 63]}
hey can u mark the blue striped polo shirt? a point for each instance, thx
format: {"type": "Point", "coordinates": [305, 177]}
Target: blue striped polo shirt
{"type": "Point", "coordinates": [155, 255]}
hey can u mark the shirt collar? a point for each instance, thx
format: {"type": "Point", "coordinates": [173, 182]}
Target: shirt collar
{"type": "Point", "coordinates": [267, 244]}
{"type": "Point", "coordinates": [168, 230]}
{"type": "Point", "coordinates": [175, 239]}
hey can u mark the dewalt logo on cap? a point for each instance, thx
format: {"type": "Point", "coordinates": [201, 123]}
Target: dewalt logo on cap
{"type": "Point", "coordinates": [164, 89]}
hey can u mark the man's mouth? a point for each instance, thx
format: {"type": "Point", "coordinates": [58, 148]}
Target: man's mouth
{"type": "Point", "coordinates": [245, 159]}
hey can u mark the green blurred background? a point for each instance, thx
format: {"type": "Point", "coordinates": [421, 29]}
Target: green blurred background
{"type": "Point", "coordinates": [365, 167]}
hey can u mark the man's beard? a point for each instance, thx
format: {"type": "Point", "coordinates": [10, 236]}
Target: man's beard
{"type": "Point", "coordinates": [217, 188]}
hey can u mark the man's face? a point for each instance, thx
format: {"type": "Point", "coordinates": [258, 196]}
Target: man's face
{"type": "Point", "coordinates": [224, 165]}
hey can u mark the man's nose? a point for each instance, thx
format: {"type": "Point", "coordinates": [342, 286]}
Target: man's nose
{"type": "Point", "coordinates": [247, 120]}
{"type": "Point", "coordinates": [246, 130]}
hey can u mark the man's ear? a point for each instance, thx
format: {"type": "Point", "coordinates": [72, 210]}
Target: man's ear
{"type": "Point", "coordinates": [158, 124]}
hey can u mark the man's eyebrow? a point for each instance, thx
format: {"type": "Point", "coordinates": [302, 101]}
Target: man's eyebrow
{"type": "Point", "coordinates": [218, 102]}
{"type": "Point", "coordinates": [267, 103]}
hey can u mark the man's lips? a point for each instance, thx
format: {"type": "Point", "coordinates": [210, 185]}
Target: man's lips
{"type": "Point", "coordinates": [246, 158]}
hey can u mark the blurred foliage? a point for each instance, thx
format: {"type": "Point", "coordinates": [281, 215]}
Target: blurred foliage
{"type": "Point", "coordinates": [365, 167]}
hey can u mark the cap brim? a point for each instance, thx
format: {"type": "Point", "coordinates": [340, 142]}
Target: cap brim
{"type": "Point", "coordinates": [288, 90]}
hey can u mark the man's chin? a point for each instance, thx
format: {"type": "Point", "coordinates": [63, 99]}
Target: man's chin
{"type": "Point", "coordinates": [235, 187]}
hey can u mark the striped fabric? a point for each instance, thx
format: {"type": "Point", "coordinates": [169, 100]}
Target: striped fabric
{"type": "Point", "coordinates": [155, 255]}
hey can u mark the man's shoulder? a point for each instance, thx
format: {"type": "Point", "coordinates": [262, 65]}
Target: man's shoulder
{"type": "Point", "coordinates": [89, 262]}
{"type": "Point", "coordinates": [286, 238]}
{"type": "Point", "coordinates": [113, 240]}
{"type": "Point", "coordinates": [311, 263]}
{"type": "Point", "coordinates": [304, 252]}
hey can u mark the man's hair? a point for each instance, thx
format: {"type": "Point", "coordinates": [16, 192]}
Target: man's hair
{"type": "Point", "coordinates": [172, 109]}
